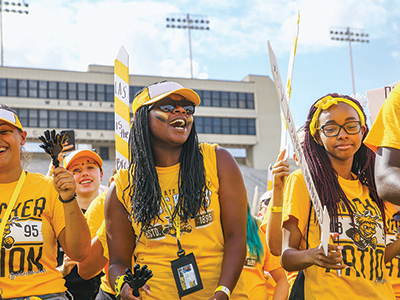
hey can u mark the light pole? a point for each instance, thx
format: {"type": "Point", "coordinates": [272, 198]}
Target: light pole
{"type": "Point", "coordinates": [350, 35]}
{"type": "Point", "coordinates": [11, 7]}
{"type": "Point", "coordinates": [186, 21]}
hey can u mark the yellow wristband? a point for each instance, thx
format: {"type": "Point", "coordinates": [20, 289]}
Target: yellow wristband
{"type": "Point", "coordinates": [224, 289]}
{"type": "Point", "coordinates": [119, 282]}
{"type": "Point", "coordinates": [276, 209]}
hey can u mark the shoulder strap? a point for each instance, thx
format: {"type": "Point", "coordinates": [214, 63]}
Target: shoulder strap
{"type": "Point", "coordinates": [10, 206]}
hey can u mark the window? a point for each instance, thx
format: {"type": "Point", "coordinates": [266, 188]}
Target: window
{"type": "Point", "coordinates": [72, 89]}
{"type": "Point", "coordinates": [234, 126]}
{"type": "Point", "coordinates": [63, 90]}
{"type": "Point", "coordinates": [53, 90]}
{"type": "Point", "coordinates": [22, 88]}
{"type": "Point", "coordinates": [3, 87]}
{"type": "Point", "coordinates": [233, 100]}
{"type": "Point", "coordinates": [91, 92]}
{"type": "Point", "coordinates": [199, 124]}
{"type": "Point", "coordinates": [72, 119]}
{"type": "Point", "coordinates": [250, 100]}
{"type": "Point", "coordinates": [23, 117]}
{"type": "Point", "coordinates": [110, 93]}
{"type": "Point", "coordinates": [216, 99]}
{"type": "Point", "coordinates": [217, 125]}
{"type": "Point", "coordinates": [82, 91]}
{"type": "Point", "coordinates": [242, 100]}
{"type": "Point", "coordinates": [92, 120]}
{"type": "Point", "coordinates": [43, 118]}
{"type": "Point", "coordinates": [206, 98]}
{"type": "Point", "coordinates": [224, 99]}
{"type": "Point", "coordinates": [53, 119]}
{"type": "Point", "coordinates": [101, 120]}
{"type": "Point", "coordinates": [82, 120]}
{"type": "Point", "coordinates": [33, 88]}
{"type": "Point", "coordinates": [43, 89]}
{"type": "Point", "coordinates": [200, 93]}
{"type": "Point", "coordinates": [33, 118]}
{"type": "Point", "coordinates": [12, 87]}
{"type": "Point", "coordinates": [63, 119]}
{"type": "Point", "coordinates": [110, 121]}
{"type": "Point", "coordinates": [251, 126]}
{"type": "Point", "coordinates": [225, 126]}
{"type": "Point", "coordinates": [101, 92]}
{"type": "Point", "coordinates": [243, 126]}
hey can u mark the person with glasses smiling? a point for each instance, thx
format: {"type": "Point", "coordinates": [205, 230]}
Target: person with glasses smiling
{"type": "Point", "coordinates": [342, 169]}
{"type": "Point", "coordinates": [180, 207]}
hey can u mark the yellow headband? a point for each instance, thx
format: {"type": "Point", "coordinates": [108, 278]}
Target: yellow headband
{"type": "Point", "coordinates": [327, 102]}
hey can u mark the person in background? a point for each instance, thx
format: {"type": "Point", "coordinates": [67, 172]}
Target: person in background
{"type": "Point", "coordinates": [384, 140]}
{"type": "Point", "coordinates": [45, 211]}
{"type": "Point", "coordinates": [259, 261]}
{"type": "Point", "coordinates": [87, 169]}
{"type": "Point", "coordinates": [177, 195]}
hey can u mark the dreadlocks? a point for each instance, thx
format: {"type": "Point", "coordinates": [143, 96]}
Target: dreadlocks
{"type": "Point", "coordinates": [325, 177]}
{"type": "Point", "coordinates": [144, 188]}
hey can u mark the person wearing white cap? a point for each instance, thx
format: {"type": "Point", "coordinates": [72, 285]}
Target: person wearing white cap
{"type": "Point", "coordinates": [36, 211]}
{"type": "Point", "coordinates": [87, 169]}
{"type": "Point", "coordinates": [177, 197]}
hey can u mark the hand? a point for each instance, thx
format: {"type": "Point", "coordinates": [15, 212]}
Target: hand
{"type": "Point", "coordinates": [332, 261]}
{"type": "Point", "coordinates": [127, 292]}
{"type": "Point", "coordinates": [280, 170]}
{"type": "Point", "coordinates": [53, 144]}
{"type": "Point", "coordinates": [138, 278]}
{"type": "Point", "coordinates": [67, 266]}
{"type": "Point", "coordinates": [64, 183]}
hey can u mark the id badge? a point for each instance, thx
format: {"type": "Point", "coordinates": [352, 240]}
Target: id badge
{"type": "Point", "coordinates": [186, 274]}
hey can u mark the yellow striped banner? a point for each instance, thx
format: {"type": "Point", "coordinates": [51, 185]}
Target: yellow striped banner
{"type": "Point", "coordinates": [121, 109]}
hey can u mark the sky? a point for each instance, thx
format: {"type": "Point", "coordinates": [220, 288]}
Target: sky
{"type": "Point", "coordinates": [70, 35]}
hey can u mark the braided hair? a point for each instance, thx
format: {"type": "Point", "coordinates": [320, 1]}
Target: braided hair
{"type": "Point", "coordinates": [325, 177]}
{"type": "Point", "coordinates": [144, 188]}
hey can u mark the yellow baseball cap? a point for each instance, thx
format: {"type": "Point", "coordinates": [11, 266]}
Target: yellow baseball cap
{"type": "Point", "coordinates": [10, 118]}
{"type": "Point", "coordinates": [160, 90]}
{"type": "Point", "coordinates": [69, 158]}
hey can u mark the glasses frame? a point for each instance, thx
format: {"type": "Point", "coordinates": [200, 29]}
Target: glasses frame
{"type": "Point", "coordinates": [340, 128]}
{"type": "Point", "coordinates": [164, 108]}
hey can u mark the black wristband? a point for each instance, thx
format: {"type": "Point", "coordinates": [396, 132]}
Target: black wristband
{"type": "Point", "coordinates": [67, 201]}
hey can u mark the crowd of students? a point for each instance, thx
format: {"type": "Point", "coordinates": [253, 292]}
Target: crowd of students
{"type": "Point", "coordinates": [181, 210]}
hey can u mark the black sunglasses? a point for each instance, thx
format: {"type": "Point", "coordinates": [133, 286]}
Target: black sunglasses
{"type": "Point", "coordinates": [169, 108]}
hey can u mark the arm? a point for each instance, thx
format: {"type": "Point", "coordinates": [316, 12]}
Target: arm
{"type": "Point", "coordinates": [387, 174]}
{"type": "Point", "coordinates": [392, 250]}
{"type": "Point", "coordinates": [120, 240]}
{"type": "Point", "coordinates": [281, 290]}
{"type": "Point", "coordinates": [94, 263]}
{"type": "Point", "coordinates": [274, 230]}
{"type": "Point", "coordinates": [293, 259]}
{"type": "Point", "coordinates": [233, 201]}
{"type": "Point", "coordinates": [75, 237]}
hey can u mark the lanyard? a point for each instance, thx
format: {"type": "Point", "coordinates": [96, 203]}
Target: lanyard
{"type": "Point", "coordinates": [176, 222]}
{"type": "Point", "coordinates": [10, 206]}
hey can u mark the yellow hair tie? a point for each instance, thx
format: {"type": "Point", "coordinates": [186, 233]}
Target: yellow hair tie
{"type": "Point", "coordinates": [327, 102]}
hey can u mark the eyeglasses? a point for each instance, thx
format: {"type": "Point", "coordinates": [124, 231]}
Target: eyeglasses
{"type": "Point", "coordinates": [169, 108]}
{"type": "Point", "coordinates": [331, 130]}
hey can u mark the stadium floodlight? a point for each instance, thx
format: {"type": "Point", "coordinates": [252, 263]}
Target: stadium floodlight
{"type": "Point", "coordinates": [350, 35]}
{"type": "Point", "coordinates": [19, 7]}
{"type": "Point", "coordinates": [188, 22]}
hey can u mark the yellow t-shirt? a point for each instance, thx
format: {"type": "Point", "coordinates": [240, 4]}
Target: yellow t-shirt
{"type": "Point", "coordinates": [291, 276]}
{"type": "Point", "coordinates": [364, 245]}
{"type": "Point", "coordinates": [28, 257]}
{"type": "Point", "coordinates": [253, 273]}
{"type": "Point", "coordinates": [385, 132]}
{"type": "Point", "coordinates": [392, 232]}
{"type": "Point", "coordinates": [95, 219]}
{"type": "Point", "coordinates": [202, 236]}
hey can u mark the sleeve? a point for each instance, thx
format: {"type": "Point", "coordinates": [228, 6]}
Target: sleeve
{"type": "Point", "coordinates": [95, 214]}
{"type": "Point", "coordinates": [385, 130]}
{"type": "Point", "coordinates": [101, 234]}
{"type": "Point", "coordinates": [296, 200]}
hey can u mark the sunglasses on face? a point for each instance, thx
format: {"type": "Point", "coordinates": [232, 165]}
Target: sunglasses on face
{"type": "Point", "coordinates": [331, 130]}
{"type": "Point", "coordinates": [171, 106]}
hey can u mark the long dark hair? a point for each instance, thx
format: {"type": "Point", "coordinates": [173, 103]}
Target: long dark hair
{"type": "Point", "coordinates": [144, 188]}
{"type": "Point", "coordinates": [325, 177]}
